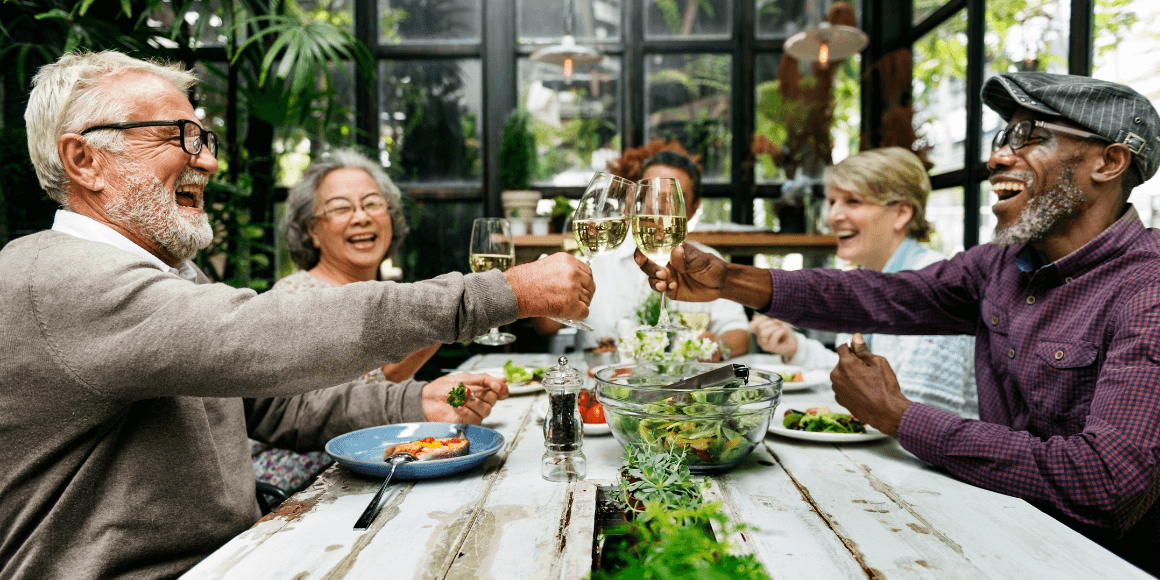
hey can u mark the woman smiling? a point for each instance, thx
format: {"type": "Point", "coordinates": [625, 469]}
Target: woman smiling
{"type": "Point", "coordinates": [342, 221]}
{"type": "Point", "coordinates": [877, 206]}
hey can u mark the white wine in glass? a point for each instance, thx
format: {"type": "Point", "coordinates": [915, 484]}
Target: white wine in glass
{"type": "Point", "coordinates": [492, 248]}
{"type": "Point", "coordinates": [600, 222]}
{"type": "Point", "coordinates": [659, 224]}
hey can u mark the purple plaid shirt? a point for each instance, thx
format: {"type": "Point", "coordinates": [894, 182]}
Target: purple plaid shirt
{"type": "Point", "coordinates": [1067, 360]}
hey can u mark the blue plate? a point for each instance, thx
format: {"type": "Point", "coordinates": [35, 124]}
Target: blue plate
{"type": "Point", "coordinates": [362, 451]}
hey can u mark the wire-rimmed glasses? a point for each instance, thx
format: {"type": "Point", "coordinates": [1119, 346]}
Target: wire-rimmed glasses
{"type": "Point", "coordinates": [659, 224]}
{"type": "Point", "coordinates": [191, 141]}
{"type": "Point", "coordinates": [492, 248]}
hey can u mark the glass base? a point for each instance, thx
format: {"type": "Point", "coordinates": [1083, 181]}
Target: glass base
{"type": "Point", "coordinates": [662, 328]}
{"type": "Point", "coordinates": [563, 466]}
{"type": "Point", "coordinates": [495, 338]}
{"type": "Point", "coordinates": [574, 323]}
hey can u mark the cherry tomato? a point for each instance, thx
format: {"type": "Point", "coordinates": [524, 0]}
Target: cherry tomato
{"type": "Point", "coordinates": [583, 400]}
{"type": "Point", "coordinates": [595, 414]}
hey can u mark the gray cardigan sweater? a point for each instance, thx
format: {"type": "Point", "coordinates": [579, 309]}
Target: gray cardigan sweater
{"type": "Point", "coordinates": [125, 452]}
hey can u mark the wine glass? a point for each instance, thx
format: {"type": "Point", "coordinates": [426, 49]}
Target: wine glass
{"type": "Point", "coordinates": [659, 224]}
{"type": "Point", "coordinates": [600, 222]}
{"type": "Point", "coordinates": [492, 248]}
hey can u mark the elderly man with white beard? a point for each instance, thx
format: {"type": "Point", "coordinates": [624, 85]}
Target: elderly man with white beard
{"type": "Point", "coordinates": [1064, 306]}
{"type": "Point", "coordinates": [121, 383]}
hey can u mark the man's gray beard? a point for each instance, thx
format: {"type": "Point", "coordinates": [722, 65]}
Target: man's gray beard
{"type": "Point", "coordinates": [146, 208]}
{"type": "Point", "coordinates": [1043, 213]}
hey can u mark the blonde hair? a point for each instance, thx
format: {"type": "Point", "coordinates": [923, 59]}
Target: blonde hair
{"type": "Point", "coordinates": [69, 96]}
{"type": "Point", "coordinates": [886, 176]}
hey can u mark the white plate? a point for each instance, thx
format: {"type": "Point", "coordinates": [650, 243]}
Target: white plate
{"type": "Point", "coordinates": [776, 426]}
{"type": "Point", "coordinates": [513, 388]}
{"type": "Point", "coordinates": [813, 378]}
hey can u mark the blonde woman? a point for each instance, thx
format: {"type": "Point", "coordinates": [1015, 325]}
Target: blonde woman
{"type": "Point", "coordinates": [877, 211]}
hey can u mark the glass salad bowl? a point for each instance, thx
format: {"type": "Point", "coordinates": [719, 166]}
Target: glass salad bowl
{"type": "Point", "coordinates": [716, 425]}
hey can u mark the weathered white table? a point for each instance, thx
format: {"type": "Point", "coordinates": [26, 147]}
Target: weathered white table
{"type": "Point", "coordinates": [825, 511]}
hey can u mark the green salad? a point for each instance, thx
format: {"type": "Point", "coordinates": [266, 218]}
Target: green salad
{"type": "Point", "coordinates": [708, 426]}
{"type": "Point", "coordinates": [520, 374]}
{"type": "Point", "coordinates": [821, 420]}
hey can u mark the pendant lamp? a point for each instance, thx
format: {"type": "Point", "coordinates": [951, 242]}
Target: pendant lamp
{"type": "Point", "coordinates": [568, 55]}
{"type": "Point", "coordinates": [837, 38]}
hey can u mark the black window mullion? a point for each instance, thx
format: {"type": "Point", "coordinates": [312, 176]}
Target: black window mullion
{"type": "Point", "coordinates": [976, 61]}
{"type": "Point", "coordinates": [743, 112]}
{"type": "Point", "coordinates": [499, 92]}
{"type": "Point", "coordinates": [366, 91]}
{"type": "Point", "coordinates": [632, 74]}
{"type": "Point", "coordinates": [1079, 54]}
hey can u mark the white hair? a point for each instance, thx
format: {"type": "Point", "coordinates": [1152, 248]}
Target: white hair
{"type": "Point", "coordinates": [69, 96]}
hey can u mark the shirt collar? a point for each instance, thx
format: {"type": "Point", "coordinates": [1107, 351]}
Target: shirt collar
{"type": "Point", "coordinates": [1109, 244]}
{"type": "Point", "coordinates": [903, 256]}
{"type": "Point", "coordinates": [87, 228]}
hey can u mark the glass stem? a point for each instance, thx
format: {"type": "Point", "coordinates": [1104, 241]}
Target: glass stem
{"type": "Point", "coordinates": [663, 317]}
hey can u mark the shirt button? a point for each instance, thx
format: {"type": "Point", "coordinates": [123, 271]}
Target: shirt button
{"type": "Point", "coordinates": [994, 320]}
{"type": "Point", "coordinates": [1011, 353]}
{"type": "Point", "coordinates": [1067, 280]}
{"type": "Point", "coordinates": [1031, 300]}
{"type": "Point", "coordinates": [1058, 354]}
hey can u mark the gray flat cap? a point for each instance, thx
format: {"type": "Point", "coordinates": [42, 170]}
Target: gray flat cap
{"type": "Point", "coordinates": [1108, 109]}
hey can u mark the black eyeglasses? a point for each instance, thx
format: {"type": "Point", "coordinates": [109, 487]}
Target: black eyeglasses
{"type": "Point", "coordinates": [1016, 135]}
{"type": "Point", "coordinates": [191, 140]}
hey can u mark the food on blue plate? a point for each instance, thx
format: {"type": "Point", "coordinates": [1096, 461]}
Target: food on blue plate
{"type": "Point", "coordinates": [429, 448]}
{"type": "Point", "coordinates": [821, 420]}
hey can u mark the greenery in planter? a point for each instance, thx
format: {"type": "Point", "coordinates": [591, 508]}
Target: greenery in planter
{"type": "Point", "coordinates": [517, 151]}
{"type": "Point", "coordinates": [671, 535]}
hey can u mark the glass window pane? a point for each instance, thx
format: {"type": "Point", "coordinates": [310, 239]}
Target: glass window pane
{"type": "Point", "coordinates": [429, 119]}
{"type": "Point", "coordinates": [944, 211]}
{"type": "Point", "coordinates": [784, 18]}
{"type": "Point", "coordinates": [940, 99]}
{"type": "Point", "coordinates": [1023, 36]}
{"type": "Point", "coordinates": [203, 16]}
{"type": "Point", "coordinates": [1127, 51]}
{"type": "Point", "coordinates": [576, 121]}
{"type": "Point", "coordinates": [329, 124]}
{"type": "Point", "coordinates": [340, 13]}
{"type": "Point", "coordinates": [401, 21]}
{"type": "Point", "coordinates": [924, 8]}
{"type": "Point", "coordinates": [688, 18]}
{"type": "Point", "coordinates": [773, 116]}
{"type": "Point", "coordinates": [687, 99]}
{"type": "Point", "coordinates": [544, 21]}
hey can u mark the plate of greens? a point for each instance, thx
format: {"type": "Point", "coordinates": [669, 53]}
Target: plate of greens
{"type": "Point", "coordinates": [825, 422]}
{"type": "Point", "coordinates": [522, 379]}
{"type": "Point", "coordinates": [522, 386]}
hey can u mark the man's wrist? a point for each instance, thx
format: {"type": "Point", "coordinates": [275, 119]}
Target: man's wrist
{"type": "Point", "coordinates": [747, 285]}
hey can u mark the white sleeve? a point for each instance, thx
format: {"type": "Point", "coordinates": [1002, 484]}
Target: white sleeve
{"type": "Point", "coordinates": [727, 315]}
{"type": "Point", "coordinates": [812, 354]}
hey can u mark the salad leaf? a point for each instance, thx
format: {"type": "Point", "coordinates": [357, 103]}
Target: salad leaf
{"type": "Point", "coordinates": [821, 420]}
{"type": "Point", "coordinates": [520, 374]}
{"type": "Point", "coordinates": [458, 396]}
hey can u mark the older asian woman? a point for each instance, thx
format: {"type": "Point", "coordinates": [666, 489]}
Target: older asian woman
{"type": "Point", "coordinates": [342, 221]}
{"type": "Point", "coordinates": [877, 203]}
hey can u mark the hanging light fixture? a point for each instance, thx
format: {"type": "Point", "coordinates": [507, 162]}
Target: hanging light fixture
{"type": "Point", "coordinates": [834, 39]}
{"type": "Point", "coordinates": [568, 55]}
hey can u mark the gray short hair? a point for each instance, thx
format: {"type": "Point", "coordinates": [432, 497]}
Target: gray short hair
{"type": "Point", "coordinates": [300, 205]}
{"type": "Point", "coordinates": [68, 96]}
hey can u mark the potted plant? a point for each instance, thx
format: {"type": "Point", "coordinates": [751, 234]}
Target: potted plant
{"type": "Point", "coordinates": [517, 162]}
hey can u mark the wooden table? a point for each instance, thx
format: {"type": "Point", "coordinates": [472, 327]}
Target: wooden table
{"type": "Point", "coordinates": [822, 511]}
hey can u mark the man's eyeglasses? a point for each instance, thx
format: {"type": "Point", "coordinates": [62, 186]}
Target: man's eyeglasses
{"type": "Point", "coordinates": [192, 135]}
{"type": "Point", "coordinates": [1016, 135]}
{"type": "Point", "coordinates": [341, 209]}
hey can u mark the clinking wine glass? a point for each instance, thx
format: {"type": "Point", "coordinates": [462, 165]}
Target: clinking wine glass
{"type": "Point", "coordinates": [659, 224]}
{"type": "Point", "coordinates": [492, 248]}
{"type": "Point", "coordinates": [600, 222]}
